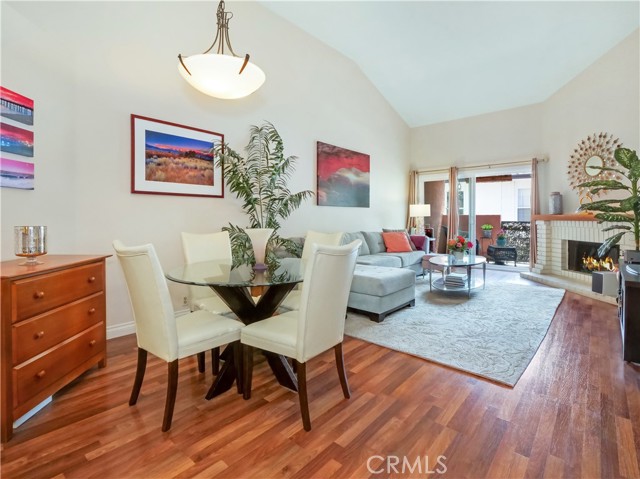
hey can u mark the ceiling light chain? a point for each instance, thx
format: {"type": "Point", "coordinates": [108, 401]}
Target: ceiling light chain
{"type": "Point", "coordinates": [222, 20]}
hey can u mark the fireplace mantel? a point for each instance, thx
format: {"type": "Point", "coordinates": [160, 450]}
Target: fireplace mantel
{"type": "Point", "coordinates": [570, 217]}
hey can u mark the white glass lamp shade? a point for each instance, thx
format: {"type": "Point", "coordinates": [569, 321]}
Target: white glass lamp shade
{"type": "Point", "coordinates": [218, 75]}
{"type": "Point", "coordinates": [419, 211]}
{"type": "Point", "coordinates": [259, 238]}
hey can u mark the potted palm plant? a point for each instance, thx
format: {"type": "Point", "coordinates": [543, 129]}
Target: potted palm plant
{"type": "Point", "coordinates": [260, 181]}
{"type": "Point", "coordinates": [623, 211]}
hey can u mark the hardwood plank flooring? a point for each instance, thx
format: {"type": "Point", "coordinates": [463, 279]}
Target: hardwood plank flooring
{"type": "Point", "coordinates": [575, 413]}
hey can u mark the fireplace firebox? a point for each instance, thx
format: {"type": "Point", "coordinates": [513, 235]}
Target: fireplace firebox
{"type": "Point", "coordinates": [583, 256]}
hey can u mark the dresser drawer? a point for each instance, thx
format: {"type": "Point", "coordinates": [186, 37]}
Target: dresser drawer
{"type": "Point", "coordinates": [37, 334]}
{"type": "Point", "coordinates": [35, 376]}
{"type": "Point", "coordinates": [43, 292]}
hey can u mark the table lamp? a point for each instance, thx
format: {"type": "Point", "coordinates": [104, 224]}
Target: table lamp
{"type": "Point", "coordinates": [419, 212]}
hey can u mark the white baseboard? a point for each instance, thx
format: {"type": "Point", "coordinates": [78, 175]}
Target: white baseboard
{"type": "Point", "coordinates": [28, 415]}
{"type": "Point", "coordinates": [130, 328]}
{"type": "Point", "coordinates": [121, 330]}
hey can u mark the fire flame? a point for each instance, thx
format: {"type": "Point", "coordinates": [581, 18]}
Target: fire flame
{"type": "Point", "coordinates": [593, 264]}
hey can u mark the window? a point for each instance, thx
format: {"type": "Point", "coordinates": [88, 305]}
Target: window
{"type": "Point", "coordinates": [524, 204]}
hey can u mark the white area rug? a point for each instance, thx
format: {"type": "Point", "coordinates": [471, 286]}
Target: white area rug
{"type": "Point", "coordinates": [493, 334]}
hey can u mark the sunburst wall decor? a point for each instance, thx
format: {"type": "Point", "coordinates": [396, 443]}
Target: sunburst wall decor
{"type": "Point", "coordinates": [592, 154]}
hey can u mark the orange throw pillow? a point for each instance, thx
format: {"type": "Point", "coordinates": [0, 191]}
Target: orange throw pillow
{"type": "Point", "coordinates": [396, 242]}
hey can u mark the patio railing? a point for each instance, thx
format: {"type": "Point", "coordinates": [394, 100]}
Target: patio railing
{"type": "Point", "coordinates": [518, 234]}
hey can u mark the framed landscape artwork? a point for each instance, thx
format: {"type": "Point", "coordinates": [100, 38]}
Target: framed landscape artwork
{"type": "Point", "coordinates": [16, 140]}
{"type": "Point", "coordinates": [172, 159]}
{"type": "Point", "coordinates": [343, 177]}
{"type": "Point", "coordinates": [16, 174]}
{"type": "Point", "coordinates": [15, 106]}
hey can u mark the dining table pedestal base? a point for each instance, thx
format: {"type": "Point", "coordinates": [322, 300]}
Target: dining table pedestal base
{"type": "Point", "coordinates": [242, 304]}
{"type": "Point", "coordinates": [280, 366]}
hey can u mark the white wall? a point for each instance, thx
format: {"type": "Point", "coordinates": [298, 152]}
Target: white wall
{"type": "Point", "coordinates": [92, 64]}
{"type": "Point", "coordinates": [492, 138]}
{"type": "Point", "coordinates": [605, 97]}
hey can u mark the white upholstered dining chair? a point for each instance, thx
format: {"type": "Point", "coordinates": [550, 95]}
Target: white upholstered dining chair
{"type": "Point", "coordinates": [198, 247]}
{"type": "Point", "coordinates": [157, 330]}
{"type": "Point", "coordinates": [316, 327]}
{"type": "Point", "coordinates": [292, 301]}
{"type": "Point", "coordinates": [206, 247]}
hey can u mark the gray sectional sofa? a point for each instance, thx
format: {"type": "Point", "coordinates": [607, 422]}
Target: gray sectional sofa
{"type": "Point", "coordinates": [374, 253]}
{"type": "Point", "coordinates": [382, 282]}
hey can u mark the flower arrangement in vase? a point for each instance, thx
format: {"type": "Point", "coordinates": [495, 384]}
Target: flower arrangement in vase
{"type": "Point", "coordinates": [458, 246]}
{"type": "Point", "coordinates": [501, 237]}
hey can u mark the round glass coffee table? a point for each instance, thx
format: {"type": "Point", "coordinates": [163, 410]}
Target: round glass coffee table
{"type": "Point", "coordinates": [454, 280]}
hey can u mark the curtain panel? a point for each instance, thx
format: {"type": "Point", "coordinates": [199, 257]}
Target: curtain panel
{"type": "Point", "coordinates": [452, 225]}
{"type": "Point", "coordinates": [413, 198]}
{"type": "Point", "coordinates": [535, 210]}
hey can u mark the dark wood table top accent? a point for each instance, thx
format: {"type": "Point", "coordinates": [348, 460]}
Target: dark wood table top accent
{"type": "Point", "coordinates": [234, 286]}
{"type": "Point", "coordinates": [50, 263]}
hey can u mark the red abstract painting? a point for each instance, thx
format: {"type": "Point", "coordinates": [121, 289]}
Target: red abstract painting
{"type": "Point", "coordinates": [343, 177]}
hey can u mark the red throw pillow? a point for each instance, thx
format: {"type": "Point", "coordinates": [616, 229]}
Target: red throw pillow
{"type": "Point", "coordinates": [396, 242]}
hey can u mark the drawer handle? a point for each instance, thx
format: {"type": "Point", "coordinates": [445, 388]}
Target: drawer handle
{"type": "Point", "coordinates": [92, 343]}
{"type": "Point", "coordinates": [38, 335]}
{"type": "Point", "coordinates": [92, 279]}
{"type": "Point", "coordinates": [38, 295]}
{"type": "Point", "coordinates": [92, 311]}
{"type": "Point", "coordinates": [41, 374]}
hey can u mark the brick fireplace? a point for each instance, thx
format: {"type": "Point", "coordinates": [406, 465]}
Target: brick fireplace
{"type": "Point", "coordinates": [555, 232]}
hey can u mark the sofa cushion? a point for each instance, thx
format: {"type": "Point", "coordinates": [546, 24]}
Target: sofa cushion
{"type": "Point", "coordinates": [382, 259]}
{"type": "Point", "coordinates": [375, 242]}
{"type": "Point", "coordinates": [349, 237]}
{"type": "Point", "coordinates": [411, 243]}
{"type": "Point", "coordinates": [381, 281]}
{"type": "Point", "coordinates": [419, 241]}
{"type": "Point", "coordinates": [396, 242]}
{"type": "Point", "coordinates": [409, 258]}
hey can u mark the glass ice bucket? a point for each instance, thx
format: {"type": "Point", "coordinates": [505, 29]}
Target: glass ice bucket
{"type": "Point", "coordinates": [30, 242]}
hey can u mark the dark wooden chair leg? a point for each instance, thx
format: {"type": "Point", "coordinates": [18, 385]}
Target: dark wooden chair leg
{"type": "Point", "coordinates": [172, 389]}
{"type": "Point", "coordinates": [137, 382]}
{"type": "Point", "coordinates": [301, 369]}
{"type": "Point", "coordinates": [201, 360]}
{"type": "Point", "coordinates": [237, 359]}
{"type": "Point", "coordinates": [215, 360]}
{"type": "Point", "coordinates": [247, 373]}
{"type": "Point", "coordinates": [342, 373]}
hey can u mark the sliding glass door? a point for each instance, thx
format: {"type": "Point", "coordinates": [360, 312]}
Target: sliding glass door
{"type": "Point", "coordinates": [496, 196]}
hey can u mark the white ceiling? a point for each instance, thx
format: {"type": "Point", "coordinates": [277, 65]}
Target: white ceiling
{"type": "Point", "coordinates": [438, 61]}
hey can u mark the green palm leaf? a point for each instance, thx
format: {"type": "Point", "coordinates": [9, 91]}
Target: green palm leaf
{"type": "Point", "coordinates": [260, 182]}
{"type": "Point", "coordinates": [623, 210]}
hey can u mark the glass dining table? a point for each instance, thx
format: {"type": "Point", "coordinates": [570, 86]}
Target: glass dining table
{"type": "Point", "coordinates": [253, 295]}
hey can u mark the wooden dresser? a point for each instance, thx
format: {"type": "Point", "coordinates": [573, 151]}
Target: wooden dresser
{"type": "Point", "coordinates": [53, 329]}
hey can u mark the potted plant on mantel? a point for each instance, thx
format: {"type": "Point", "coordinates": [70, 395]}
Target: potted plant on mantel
{"type": "Point", "coordinates": [622, 210]}
{"type": "Point", "coordinates": [260, 181]}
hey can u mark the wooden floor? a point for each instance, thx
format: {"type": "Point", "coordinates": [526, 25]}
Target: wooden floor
{"type": "Point", "coordinates": [575, 413]}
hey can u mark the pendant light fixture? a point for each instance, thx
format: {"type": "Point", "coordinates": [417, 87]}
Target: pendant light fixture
{"type": "Point", "coordinates": [221, 74]}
